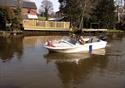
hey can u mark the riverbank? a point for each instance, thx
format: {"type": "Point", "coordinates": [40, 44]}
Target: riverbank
{"type": "Point", "coordinates": [114, 31]}
{"type": "Point", "coordinates": [10, 33]}
{"type": "Point", "coordinates": [102, 30]}
{"type": "Point", "coordinates": [31, 33]}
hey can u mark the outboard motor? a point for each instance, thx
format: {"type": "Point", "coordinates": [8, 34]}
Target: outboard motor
{"type": "Point", "coordinates": [103, 37]}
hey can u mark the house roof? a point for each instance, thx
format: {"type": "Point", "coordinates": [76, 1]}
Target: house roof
{"type": "Point", "coordinates": [29, 5]}
{"type": "Point", "coordinates": [56, 19]}
{"type": "Point", "coordinates": [13, 3]}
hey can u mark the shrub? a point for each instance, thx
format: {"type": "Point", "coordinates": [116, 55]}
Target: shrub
{"type": "Point", "coordinates": [9, 20]}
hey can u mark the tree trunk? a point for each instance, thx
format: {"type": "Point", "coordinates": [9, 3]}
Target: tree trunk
{"type": "Point", "coordinates": [46, 13]}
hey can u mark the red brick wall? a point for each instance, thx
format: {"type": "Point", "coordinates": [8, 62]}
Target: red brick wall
{"type": "Point", "coordinates": [26, 11]}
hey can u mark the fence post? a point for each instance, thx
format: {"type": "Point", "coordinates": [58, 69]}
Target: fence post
{"type": "Point", "coordinates": [64, 24]}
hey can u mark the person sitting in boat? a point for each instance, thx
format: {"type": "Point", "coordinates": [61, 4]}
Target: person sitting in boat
{"type": "Point", "coordinates": [81, 40]}
{"type": "Point", "coordinates": [73, 39]}
{"type": "Point", "coordinates": [50, 44]}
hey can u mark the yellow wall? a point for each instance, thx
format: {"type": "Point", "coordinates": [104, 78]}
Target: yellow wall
{"type": "Point", "coordinates": [46, 25]}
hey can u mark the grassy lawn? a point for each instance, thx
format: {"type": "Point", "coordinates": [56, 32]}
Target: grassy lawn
{"type": "Point", "coordinates": [114, 30]}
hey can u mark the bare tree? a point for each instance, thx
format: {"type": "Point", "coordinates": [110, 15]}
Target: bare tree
{"type": "Point", "coordinates": [46, 7]}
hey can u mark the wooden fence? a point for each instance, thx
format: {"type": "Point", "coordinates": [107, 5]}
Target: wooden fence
{"type": "Point", "coordinates": [45, 25]}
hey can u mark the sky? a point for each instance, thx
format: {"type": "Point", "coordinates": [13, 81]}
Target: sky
{"type": "Point", "coordinates": [55, 4]}
{"type": "Point", "coordinates": [119, 2]}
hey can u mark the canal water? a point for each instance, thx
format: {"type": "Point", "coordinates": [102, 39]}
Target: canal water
{"type": "Point", "coordinates": [25, 63]}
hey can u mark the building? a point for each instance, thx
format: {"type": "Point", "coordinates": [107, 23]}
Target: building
{"type": "Point", "coordinates": [28, 7]}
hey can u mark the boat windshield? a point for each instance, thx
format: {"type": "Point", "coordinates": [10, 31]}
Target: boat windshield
{"type": "Point", "coordinates": [69, 40]}
{"type": "Point", "coordinates": [72, 41]}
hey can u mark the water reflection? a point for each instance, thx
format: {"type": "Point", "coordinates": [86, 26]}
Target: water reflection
{"type": "Point", "coordinates": [73, 57]}
{"type": "Point", "coordinates": [74, 68]}
{"type": "Point", "coordinates": [60, 57]}
{"type": "Point", "coordinates": [54, 70]}
{"type": "Point", "coordinates": [9, 86]}
{"type": "Point", "coordinates": [116, 36]}
{"type": "Point", "coordinates": [10, 47]}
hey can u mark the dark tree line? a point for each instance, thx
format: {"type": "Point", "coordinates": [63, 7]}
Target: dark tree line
{"type": "Point", "coordinates": [105, 14]}
{"type": "Point", "coordinates": [89, 12]}
{"type": "Point", "coordinates": [6, 16]}
{"type": "Point", "coordinates": [9, 19]}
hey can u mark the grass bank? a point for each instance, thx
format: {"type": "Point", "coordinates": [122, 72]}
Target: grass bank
{"type": "Point", "coordinates": [114, 31]}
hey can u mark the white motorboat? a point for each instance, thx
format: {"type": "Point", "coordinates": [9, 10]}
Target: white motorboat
{"type": "Point", "coordinates": [68, 46]}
